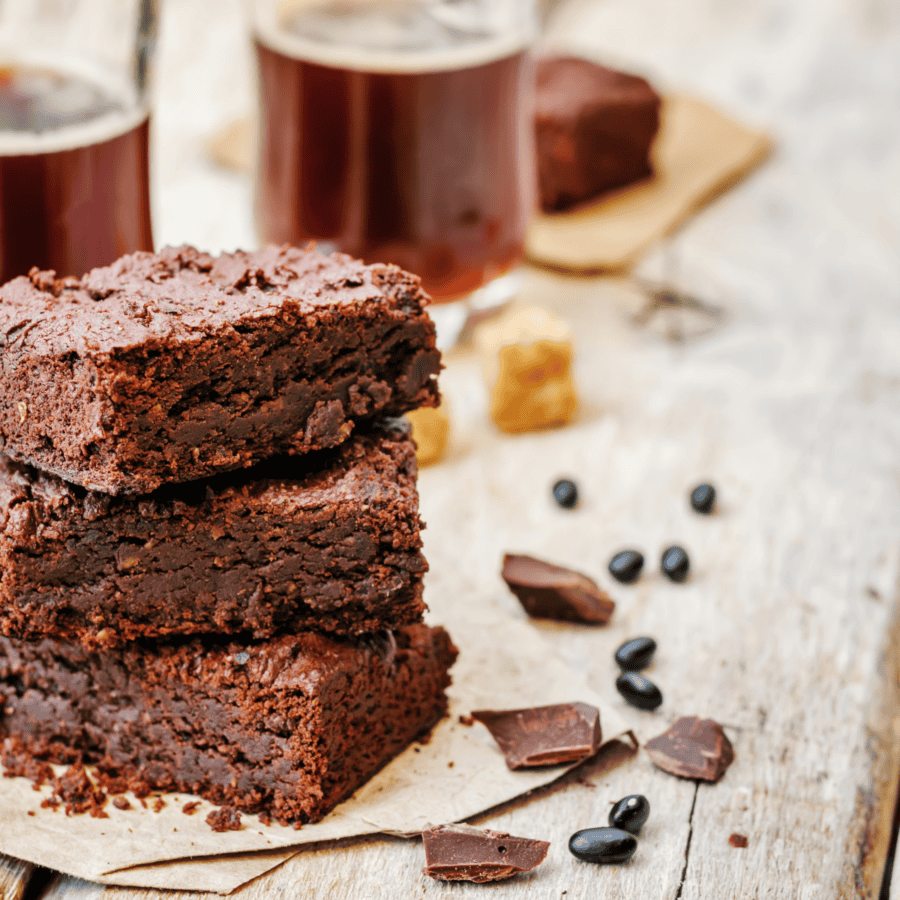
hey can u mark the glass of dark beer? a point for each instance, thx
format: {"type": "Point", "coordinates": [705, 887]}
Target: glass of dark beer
{"type": "Point", "coordinates": [74, 126]}
{"type": "Point", "coordinates": [399, 131]}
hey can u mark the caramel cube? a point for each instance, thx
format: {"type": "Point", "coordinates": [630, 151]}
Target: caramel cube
{"type": "Point", "coordinates": [526, 357]}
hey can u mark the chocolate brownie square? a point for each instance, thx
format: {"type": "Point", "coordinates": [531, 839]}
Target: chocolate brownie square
{"type": "Point", "coordinates": [328, 541]}
{"type": "Point", "coordinates": [287, 727]}
{"type": "Point", "coordinates": [595, 128]}
{"type": "Point", "coordinates": [174, 366]}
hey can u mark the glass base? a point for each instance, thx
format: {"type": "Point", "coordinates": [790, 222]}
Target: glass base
{"type": "Point", "coordinates": [454, 320]}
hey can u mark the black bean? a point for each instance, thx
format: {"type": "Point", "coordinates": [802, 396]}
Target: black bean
{"type": "Point", "coordinates": [630, 813]}
{"type": "Point", "coordinates": [639, 691]}
{"type": "Point", "coordinates": [626, 566]}
{"type": "Point", "coordinates": [675, 563]}
{"type": "Point", "coordinates": [635, 654]}
{"type": "Point", "coordinates": [703, 498]}
{"type": "Point", "coordinates": [565, 493]}
{"type": "Point", "coordinates": [602, 845]}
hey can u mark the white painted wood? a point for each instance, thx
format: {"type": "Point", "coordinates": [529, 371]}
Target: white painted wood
{"type": "Point", "coordinates": [788, 630]}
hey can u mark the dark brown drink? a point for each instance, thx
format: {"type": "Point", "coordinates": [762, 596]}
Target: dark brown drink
{"type": "Point", "coordinates": [428, 168]}
{"type": "Point", "coordinates": [74, 174]}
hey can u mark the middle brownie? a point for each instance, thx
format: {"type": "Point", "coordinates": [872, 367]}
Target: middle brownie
{"type": "Point", "coordinates": [326, 542]}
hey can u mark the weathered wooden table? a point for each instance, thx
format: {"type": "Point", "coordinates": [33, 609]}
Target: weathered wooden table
{"type": "Point", "coordinates": [788, 631]}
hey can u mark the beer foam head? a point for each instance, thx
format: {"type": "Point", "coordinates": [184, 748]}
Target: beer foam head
{"type": "Point", "coordinates": [396, 36]}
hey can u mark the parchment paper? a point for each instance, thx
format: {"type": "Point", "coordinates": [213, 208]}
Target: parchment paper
{"type": "Point", "coordinates": [699, 153]}
{"type": "Point", "coordinates": [503, 663]}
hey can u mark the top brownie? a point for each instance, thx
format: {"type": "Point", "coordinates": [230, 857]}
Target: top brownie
{"type": "Point", "coordinates": [173, 366]}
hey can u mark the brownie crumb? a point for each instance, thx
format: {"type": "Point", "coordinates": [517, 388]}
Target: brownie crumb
{"type": "Point", "coordinates": [190, 808]}
{"type": "Point", "coordinates": [468, 721]}
{"type": "Point", "coordinates": [121, 803]}
{"type": "Point", "coordinates": [226, 818]}
{"type": "Point", "coordinates": [738, 840]}
{"type": "Point", "coordinates": [31, 812]}
{"type": "Point", "coordinates": [158, 804]}
{"type": "Point", "coordinates": [80, 795]}
{"type": "Point", "coordinates": [113, 785]}
{"type": "Point", "coordinates": [74, 789]}
{"type": "Point", "coordinates": [18, 762]}
{"type": "Point", "coordinates": [110, 777]}
{"type": "Point", "coordinates": [141, 790]}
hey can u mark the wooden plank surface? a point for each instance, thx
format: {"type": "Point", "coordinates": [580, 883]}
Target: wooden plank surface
{"type": "Point", "coordinates": [14, 877]}
{"type": "Point", "coordinates": [787, 631]}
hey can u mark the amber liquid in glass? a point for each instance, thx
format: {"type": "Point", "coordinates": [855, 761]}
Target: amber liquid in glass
{"type": "Point", "coordinates": [428, 169]}
{"type": "Point", "coordinates": [74, 174]}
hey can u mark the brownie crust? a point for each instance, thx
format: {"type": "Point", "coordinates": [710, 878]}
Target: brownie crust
{"type": "Point", "coordinates": [286, 728]}
{"type": "Point", "coordinates": [328, 542]}
{"type": "Point", "coordinates": [174, 366]}
{"type": "Point", "coordinates": [595, 128]}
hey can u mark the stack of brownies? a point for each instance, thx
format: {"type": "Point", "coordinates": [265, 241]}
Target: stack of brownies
{"type": "Point", "coordinates": [210, 565]}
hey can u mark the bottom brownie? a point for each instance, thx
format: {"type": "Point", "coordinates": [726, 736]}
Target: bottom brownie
{"type": "Point", "coordinates": [286, 728]}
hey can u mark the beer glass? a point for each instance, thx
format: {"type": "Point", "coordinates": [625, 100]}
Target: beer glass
{"type": "Point", "coordinates": [399, 131]}
{"type": "Point", "coordinates": [74, 125]}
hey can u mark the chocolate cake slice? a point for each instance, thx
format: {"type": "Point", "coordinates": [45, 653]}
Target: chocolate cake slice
{"type": "Point", "coordinates": [328, 541]}
{"type": "Point", "coordinates": [286, 728]}
{"type": "Point", "coordinates": [174, 366]}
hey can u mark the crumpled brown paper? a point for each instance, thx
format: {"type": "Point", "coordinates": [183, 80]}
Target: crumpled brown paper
{"type": "Point", "coordinates": [698, 154]}
{"type": "Point", "coordinates": [503, 663]}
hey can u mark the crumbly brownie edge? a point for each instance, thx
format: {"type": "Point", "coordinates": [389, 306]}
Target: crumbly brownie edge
{"type": "Point", "coordinates": [316, 717]}
{"type": "Point", "coordinates": [337, 549]}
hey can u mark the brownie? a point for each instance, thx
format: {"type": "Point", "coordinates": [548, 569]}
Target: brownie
{"type": "Point", "coordinates": [174, 366]}
{"type": "Point", "coordinates": [328, 541]}
{"type": "Point", "coordinates": [595, 127]}
{"type": "Point", "coordinates": [286, 728]}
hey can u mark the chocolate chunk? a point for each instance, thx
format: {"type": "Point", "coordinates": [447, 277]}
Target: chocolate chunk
{"type": "Point", "coordinates": [463, 853]}
{"type": "Point", "coordinates": [553, 592]}
{"type": "Point", "coordinates": [737, 840]}
{"type": "Point", "coordinates": [544, 735]}
{"type": "Point", "coordinates": [692, 748]}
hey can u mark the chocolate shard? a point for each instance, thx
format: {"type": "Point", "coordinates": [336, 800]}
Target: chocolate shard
{"type": "Point", "coordinates": [547, 591]}
{"type": "Point", "coordinates": [464, 853]}
{"type": "Point", "coordinates": [692, 748]}
{"type": "Point", "coordinates": [544, 735]}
